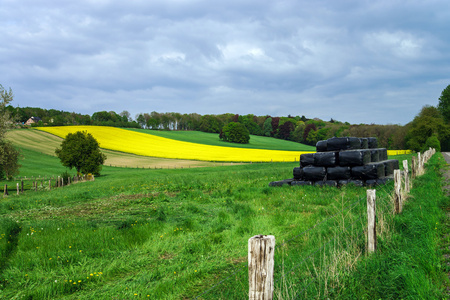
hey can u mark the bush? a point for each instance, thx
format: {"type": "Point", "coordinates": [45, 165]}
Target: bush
{"type": "Point", "coordinates": [432, 142]}
{"type": "Point", "coordinates": [235, 133]}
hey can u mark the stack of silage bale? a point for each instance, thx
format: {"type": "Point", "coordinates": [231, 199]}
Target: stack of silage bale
{"type": "Point", "coordinates": [340, 161]}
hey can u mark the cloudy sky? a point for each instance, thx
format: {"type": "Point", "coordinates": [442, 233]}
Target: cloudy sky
{"type": "Point", "coordinates": [357, 61]}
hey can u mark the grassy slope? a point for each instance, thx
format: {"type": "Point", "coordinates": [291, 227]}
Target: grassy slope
{"type": "Point", "coordinates": [164, 233]}
{"type": "Point", "coordinates": [175, 233]}
{"type": "Point", "coordinates": [46, 143]}
{"type": "Point", "coordinates": [256, 142]}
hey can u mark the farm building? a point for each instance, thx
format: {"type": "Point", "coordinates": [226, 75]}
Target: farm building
{"type": "Point", "coordinates": [32, 120]}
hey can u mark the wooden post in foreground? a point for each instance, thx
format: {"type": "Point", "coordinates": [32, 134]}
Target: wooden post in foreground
{"type": "Point", "coordinates": [397, 192]}
{"type": "Point", "coordinates": [5, 192]}
{"type": "Point", "coordinates": [419, 164]}
{"type": "Point", "coordinates": [18, 188]}
{"type": "Point", "coordinates": [261, 249]}
{"type": "Point", "coordinates": [406, 173]}
{"type": "Point", "coordinates": [371, 226]}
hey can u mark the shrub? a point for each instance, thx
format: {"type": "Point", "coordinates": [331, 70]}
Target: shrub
{"type": "Point", "coordinates": [432, 142]}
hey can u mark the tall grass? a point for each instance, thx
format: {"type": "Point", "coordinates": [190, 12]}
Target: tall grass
{"type": "Point", "coordinates": [407, 264]}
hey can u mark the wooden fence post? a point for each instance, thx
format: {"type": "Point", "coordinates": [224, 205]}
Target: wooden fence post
{"type": "Point", "coordinates": [22, 186]}
{"type": "Point", "coordinates": [406, 173]}
{"type": "Point", "coordinates": [419, 164]}
{"type": "Point", "coordinates": [5, 192]}
{"type": "Point", "coordinates": [397, 192]}
{"type": "Point", "coordinates": [371, 216]}
{"type": "Point", "coordinates": [18, 188]}
{"type": "Point", "coordinates": [413, 167]}
{"type": "Point", "coordinates": [49, 185]}
{"type": "Point", "coordinates": [261, 249]}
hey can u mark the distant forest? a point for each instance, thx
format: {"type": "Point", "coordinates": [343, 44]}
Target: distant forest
{"type": "Point", "coordinates": [427, 128]}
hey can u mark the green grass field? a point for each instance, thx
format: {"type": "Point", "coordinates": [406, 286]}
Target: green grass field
{"type": "Point", "coordinates": [256, 142]}
{"type": "Point", "coordinates": [182, 234]}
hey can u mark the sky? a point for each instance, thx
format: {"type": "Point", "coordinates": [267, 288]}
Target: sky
{"type": "Point", "coordinates": [353, 61]}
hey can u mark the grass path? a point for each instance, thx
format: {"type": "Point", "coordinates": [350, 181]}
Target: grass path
{"type": "Point", "coordinates": [446, 236]}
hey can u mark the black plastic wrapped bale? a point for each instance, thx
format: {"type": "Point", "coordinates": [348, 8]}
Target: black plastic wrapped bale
{"type": "Point", "coordinates": [383, 153]}
{"type": "Point", "coordinates": [385, 180]}
{"type": "Point", "coordinates": [298, 173]}
{"type": "Point", "coordinates": [301, 182]}
{"type": "Point", "coordinates": [342, 182]}
{"type": "Point", "coordinates": [339, 173]}
{"type": "Point", "coordinates": [306, 159]}
{"type": "Point", "coordinates": [369, 171]}
{"type": "Point", "coordinates": [390, 166]}
{"type": "Point", "coordinates": [281, 182]}
{"type": "Point", "coordinates": [314, 173]}
{"type": "Point", "coordinates": [374, 155]}
{"type": "Point", "coordinates": [372, 182]}
{"type": "Point", "coordinates": [332, 183]}
{"type": "Point", "coordinates": [373, 142]}
{"type": "Point", "coordinates": [354, 158]}
{"type": "Point", "coordinates": [364, 143]}
{"type": "Point", "coordinates": [321, 146]}
{"type": "Point", "coordinates": [325, 159]}
{"type": "Point", "coordinates": [343, 143]}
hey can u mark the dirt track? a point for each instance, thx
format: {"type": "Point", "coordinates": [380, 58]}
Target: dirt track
{"type": "Point", "coordinates": [447, 172]}
{"type": "Point", "coordinates": [446, 187]}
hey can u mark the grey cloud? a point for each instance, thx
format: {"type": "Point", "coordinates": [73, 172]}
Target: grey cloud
{"type": "Point", "coordinates": [327, 59]}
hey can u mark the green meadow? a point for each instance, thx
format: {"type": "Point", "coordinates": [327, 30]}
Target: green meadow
{"type": "Point", "coordinates": [182, 234]}
{"type": "Point", "coordinates": [256, 142]}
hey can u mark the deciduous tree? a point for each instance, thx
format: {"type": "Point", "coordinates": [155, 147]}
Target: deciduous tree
{"type": "Point", "coordinates": [80, 150]}
{"type": "Point", "coordinates": [235, 133]}
{"type": "Point", "coordinates": [9, 156]}
{"type": "Point", "coordinates": [444, 104]}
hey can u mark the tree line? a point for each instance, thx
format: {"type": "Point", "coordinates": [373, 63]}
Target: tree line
{"type": "Point", "coordinates": [53, 117]}
{"type": "Point", "coordinates": [431, 127]}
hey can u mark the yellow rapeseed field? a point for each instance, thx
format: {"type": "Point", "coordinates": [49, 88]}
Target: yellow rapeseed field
{"type": "Point", "coordinates": [399, 152]}
{"type": "Point", "coordinates": [150, 145]}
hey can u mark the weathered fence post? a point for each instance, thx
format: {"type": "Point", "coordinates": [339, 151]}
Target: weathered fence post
{"type": "Point", "coordinates": [21, 186]}
{"type": "Point", "coordinates": [406, 173]}
{"type": "Point", "coordinates": [261, 249]}
{"type": "Point", "coordinates": [413, 167]}
{"type": "Point", "coordinates": [49, 184]}
{"type": "Point", "coordinates": [5, 192]}
{"type": "Point", "coordinates": [18, 188]}
{"type": "Point", "coordinates": [371, 226]}
{"type": "Point", "coordinates": [419, 164]}
{"type": "Point", "coordinates": [397, 192]}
